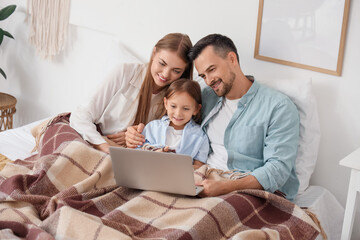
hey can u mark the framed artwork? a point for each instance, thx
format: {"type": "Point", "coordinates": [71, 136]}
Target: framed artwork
{"type": "Point", "coordinates": [308, 34]}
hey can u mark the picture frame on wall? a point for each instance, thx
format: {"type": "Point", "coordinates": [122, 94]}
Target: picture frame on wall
{"type": "Point", "coordinates": [308, 34]}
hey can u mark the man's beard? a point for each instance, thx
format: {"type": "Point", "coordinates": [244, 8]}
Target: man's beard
{"type": "Point", "coordinates": [226, 86]}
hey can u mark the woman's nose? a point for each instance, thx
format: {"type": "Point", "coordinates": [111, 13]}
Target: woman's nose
{"type": "Point", "coordinates": [166, 73]}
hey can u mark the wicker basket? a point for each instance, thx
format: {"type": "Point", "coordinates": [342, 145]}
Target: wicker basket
{"type": "Point", "coordinates": [7, 110]}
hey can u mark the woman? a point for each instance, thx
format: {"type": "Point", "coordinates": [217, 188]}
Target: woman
{"type": "Point", "coordinates": [133, 94]}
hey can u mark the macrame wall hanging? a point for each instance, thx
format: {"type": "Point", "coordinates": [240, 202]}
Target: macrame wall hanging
{"type": "Point", "coordinates": [49, 21]}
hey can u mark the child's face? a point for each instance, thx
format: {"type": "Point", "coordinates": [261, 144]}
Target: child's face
{"type": "Point", "coordinates": [180, 107]}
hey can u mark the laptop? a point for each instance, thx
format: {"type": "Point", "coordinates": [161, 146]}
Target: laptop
{"type": "Point", "coordinates": [155, 171]}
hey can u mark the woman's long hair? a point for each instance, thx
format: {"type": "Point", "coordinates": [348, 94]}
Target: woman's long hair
{"type": "Point", "coordinates": [175, 42]}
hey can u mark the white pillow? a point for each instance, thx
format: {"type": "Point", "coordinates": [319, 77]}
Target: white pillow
{"type": "Point", "coordinates": [116, 53]}
{"type": "Point", "coordinates": [300, 92]}
{"type": "Point", "coordinates": [113, 53]}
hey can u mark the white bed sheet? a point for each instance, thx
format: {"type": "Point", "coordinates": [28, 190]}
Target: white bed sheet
{"type": "Point", "coordinates": [326, 207]}
{"type": "Point", "coordinates": [17, 144]}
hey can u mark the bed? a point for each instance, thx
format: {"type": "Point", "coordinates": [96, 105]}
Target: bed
{"type": "Point", "coordinates": [94, 216]}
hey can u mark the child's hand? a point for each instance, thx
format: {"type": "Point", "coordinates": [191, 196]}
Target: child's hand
{"type": "Point", "coordinates": [164, 149]}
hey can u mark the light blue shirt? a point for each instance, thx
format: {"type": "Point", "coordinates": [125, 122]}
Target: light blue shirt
{"type": "Point", "coordinates": [194, 141]}
{"type": "Point", "coordinates": [262, 136]}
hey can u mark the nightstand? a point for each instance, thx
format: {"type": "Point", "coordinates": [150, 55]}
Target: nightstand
{"type": "Point", "coordinates": [352, 161]}
{"type": "Point", "coordinates": [7, 110]}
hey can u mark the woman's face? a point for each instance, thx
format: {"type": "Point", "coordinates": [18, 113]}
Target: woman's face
{"type": "Point", "coordinates": [166, 67]}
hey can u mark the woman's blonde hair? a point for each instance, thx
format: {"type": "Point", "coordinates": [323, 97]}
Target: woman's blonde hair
{"type": "Point", "coordinates": [175, 42]}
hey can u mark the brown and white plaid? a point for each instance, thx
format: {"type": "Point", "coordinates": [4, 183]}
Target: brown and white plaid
{"type": "Point", "coordinates": [67, 191]}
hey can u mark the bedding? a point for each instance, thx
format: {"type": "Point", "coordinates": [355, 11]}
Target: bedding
{"type": "Point", "coordinates": [326, 207]}
{"type": "Point", "coordinates": [67, 190]}
{"type": "Point", "coordinates": [18, 143]}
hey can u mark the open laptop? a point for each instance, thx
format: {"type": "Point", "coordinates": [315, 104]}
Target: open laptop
{"type": "Point", "coordinates": [156, 171]}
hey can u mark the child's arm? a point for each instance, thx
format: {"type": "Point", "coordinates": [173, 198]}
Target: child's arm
{"type": "Point", "coordinates": [197, 164]}
{"type": "Point", "coordinates": [202, 152]}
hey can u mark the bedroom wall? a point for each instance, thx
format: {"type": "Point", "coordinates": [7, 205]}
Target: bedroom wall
{"type": "Point", "coordinates": [44, 88]}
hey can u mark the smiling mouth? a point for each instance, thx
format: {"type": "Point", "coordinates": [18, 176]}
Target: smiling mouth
{"type": "Point", "coordinates": [177, 119]}
{"type": "Point", "coordinates": [162, 78]}
{"type": "Point", "coordinates": [216, 84]}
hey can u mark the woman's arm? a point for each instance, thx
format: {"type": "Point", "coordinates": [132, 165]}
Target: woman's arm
{"type": "Point", "coordinates": [104, 147]}
{"type": "Point", "coordinates": [83, 119]}
{"type": "Point", "coordinates": [118, 138]}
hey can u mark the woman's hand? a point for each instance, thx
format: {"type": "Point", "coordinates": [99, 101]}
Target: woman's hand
{"type": "Point", "coordinates": [118, 138]}
{"type": "Point", "coordinates": [104, 147]}
{"type": "Point", "coordinates": [134, 137]}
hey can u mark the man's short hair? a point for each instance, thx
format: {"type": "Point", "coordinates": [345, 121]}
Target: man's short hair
{"type": "Point", "coordinates": [222, 46]}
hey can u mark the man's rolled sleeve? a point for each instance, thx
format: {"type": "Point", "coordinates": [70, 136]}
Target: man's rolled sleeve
{"type": "Point", "coordinates": [280, 147]}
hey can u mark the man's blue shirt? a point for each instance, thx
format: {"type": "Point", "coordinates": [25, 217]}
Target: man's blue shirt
{"type": "Point", "coordinates": [262, 136]}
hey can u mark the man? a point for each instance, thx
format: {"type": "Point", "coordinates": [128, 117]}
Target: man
{"type": "Point", "coordinates": [251, 128]}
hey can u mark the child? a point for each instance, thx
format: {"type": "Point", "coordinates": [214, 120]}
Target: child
{"type": "Point", "coordinates": [179, 130]}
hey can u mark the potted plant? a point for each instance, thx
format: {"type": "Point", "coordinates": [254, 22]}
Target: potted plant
{"type": "Point", "coordinates": [4, 14]}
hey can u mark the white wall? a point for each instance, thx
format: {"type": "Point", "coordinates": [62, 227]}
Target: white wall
{"type": "Point", "coordinates": [45, 88]}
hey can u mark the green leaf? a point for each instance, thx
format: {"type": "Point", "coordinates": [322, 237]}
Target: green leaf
{"type": "Point", "coordinates": [4, 33]}
{"type": "Point", "coordinates": [6, 12]}
{"type": "Point", "coordinates": [8, 34]}
{"type": "Point", "coordinates": [3, 73]}
{"type": "Point", "coordinates": [1, 35]}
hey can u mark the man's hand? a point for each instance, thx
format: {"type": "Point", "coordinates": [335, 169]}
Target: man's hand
{"type": "Point", "coordinates": [219, 187]}
{"type": "Point", "coordinates": [214, 188]}
{"type": "Point", "coordinates": [134, 137]}
{"type": "Point", "coordinates": [118, 138]}
{"type": "Point", "coordinates": [197, 164]}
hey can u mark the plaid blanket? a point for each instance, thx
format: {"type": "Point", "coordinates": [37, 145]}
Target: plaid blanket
{"type": "Point", "coordinates": [67, 191]}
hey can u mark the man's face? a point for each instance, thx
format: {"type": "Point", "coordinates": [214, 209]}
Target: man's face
{"type": "Point", "coordinates": [215, 70]}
